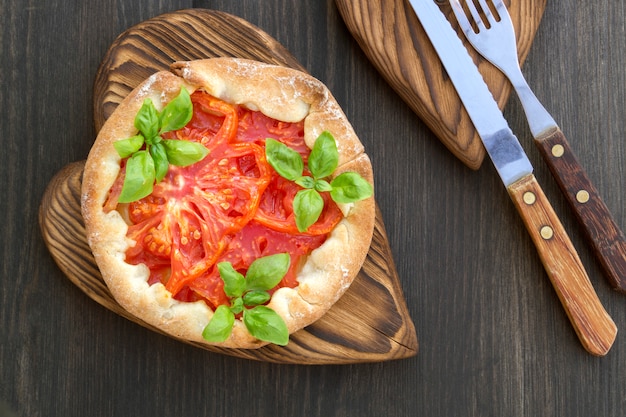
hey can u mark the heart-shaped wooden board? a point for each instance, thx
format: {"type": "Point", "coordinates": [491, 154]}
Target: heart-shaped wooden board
{"type": "Point", "coordinates": [369, 323]}
{"type": "Point", "coordinates": [391, 36]}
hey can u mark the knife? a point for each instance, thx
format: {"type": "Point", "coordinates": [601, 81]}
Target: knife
{"type": "Point", "coordinates": [605, 236]}
{"type": "Point", "coordinates": [594, 327]}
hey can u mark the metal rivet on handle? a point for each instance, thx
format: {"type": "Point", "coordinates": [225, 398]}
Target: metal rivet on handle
{"type": "Point", "coordinates": [529, 198]}
{"type": "Point", "coordinates": [558, 151]}
{"type": "Point", "coordinates": [546, 232]}
{"type": "Point", "coordinates": [582, 196]}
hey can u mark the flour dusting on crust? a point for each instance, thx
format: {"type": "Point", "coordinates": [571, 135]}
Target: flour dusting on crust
{"type": "Point", "coordinates": [280, 93]}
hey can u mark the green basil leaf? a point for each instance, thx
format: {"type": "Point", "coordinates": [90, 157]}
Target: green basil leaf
{"type": "Point", "coordinates": [322, 186]}
{"type": "Point", "coordinates": [287, 162]}
{"type": "Point", "coordinates": [184, 152]}
{"type": "Point", "coordinates": [237, 306]}
{"type": "Point", "coordinates": [255, 298]}
{"type": "Point", "coordinates": [177, 113]}
{"type": "Point", "coordinates": [161, 165]}
{"type": "Point", "coordinates": [324, 156]}
{"type": "Point", "coordinates": [305, 182]}
{"type": "Point", "coordinates": [147, 120]}
{"type": "Point", "coordinates": [127, 147]}
{"type": "Point", "coordinates": [307, 206]}
{"type": "Point", "coordinates": [266, 272]}
{"type": "Point", "coordinates": [234, 282]}
{"type": "Point", "coordinates": [220, 326]}
{"type": "Point", "coordinates": [349, 187]}
{"type": "Point", "coordinates": [265, 324]}
{"type": "Point", "coordinates": [139, 178]}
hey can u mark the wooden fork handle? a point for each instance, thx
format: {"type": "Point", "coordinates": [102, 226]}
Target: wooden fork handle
{"type": "Point", "coordinates": [605, 236]}
{"type": "Point", "coordinates": [594, 327]}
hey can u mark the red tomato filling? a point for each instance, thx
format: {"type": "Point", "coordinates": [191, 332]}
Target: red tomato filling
{"type": "Point", "coordinates": [231, 206]}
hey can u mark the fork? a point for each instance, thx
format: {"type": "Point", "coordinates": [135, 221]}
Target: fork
{"type": "Point", "coordinates": [491, 32]}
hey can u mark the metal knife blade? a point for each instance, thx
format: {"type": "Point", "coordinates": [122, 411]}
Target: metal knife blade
{"type": "Point", "coordinates": [594, 327]}
{"type": "Point", "coordinates": [501, 144]}
{"type": "Point", "coordinates": [601, 229]}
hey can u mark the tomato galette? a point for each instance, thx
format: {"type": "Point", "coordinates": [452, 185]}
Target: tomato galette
{"type": "Point", "coordinates": [228, 202]}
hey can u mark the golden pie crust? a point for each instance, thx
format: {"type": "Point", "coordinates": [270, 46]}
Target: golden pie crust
{"type": "Point", "coordinates": [280, 93]}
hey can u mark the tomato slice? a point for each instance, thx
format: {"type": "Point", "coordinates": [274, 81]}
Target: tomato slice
{"type": "Point", "coordinates": [214, 122]}
{"type": "Point", "coordinates": [256, 127]}
{"type": "Point", "coordinates": [189, 217]}
{"type": "Point", "coordinates": [231, 206]}
{"type": "Point", "coordinates": [252, 242]}
{"type": "Point", "coordinates": [276, 209]}
{"type": "Point", "coordinates": [200, 206]}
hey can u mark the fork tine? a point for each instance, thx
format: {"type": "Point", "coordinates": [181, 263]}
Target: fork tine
{"type": "Point", "coordinates": [475, 15]}
{"type": "Point", "coordinates": [503, 12]}
{"type": "Point", "coordinates": [486, 10]}
{"type": "Point", "coordinates": [461, 18]}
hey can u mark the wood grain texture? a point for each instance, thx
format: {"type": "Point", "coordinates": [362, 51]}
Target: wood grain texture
{"type": "Point", "coordinates": [391, 36]}
{"type": "Point", "coordinates": [369, 323]}
{"type": "Point", "coordinates": [601, 229]}
{"type": "Point", "coordinates": [354, 330]}
{"type": "Point", "coordinates": [593, 325]}
{"type": "Point", "coordinates": [183, 35]}
{"type": "Point", "coordinates": [493, 337]}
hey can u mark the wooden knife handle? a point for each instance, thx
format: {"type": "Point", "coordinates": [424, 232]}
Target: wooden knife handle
{"type": "Point", "coordinates": [605, 236]}
{"type": "Point", "coordinates": [594, 327]}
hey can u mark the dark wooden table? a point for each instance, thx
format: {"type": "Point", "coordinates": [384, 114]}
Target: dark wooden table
{"type": "Point", "coordinates": [494, 340]}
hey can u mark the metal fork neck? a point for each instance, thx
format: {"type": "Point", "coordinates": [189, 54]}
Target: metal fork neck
{"type": "Point", "coordinates": [539, 120]}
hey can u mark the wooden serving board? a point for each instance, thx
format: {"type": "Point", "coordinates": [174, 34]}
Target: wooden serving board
{"type": "Point", "coordinates": [369, 323]}
{"type": "Point", "coordinates": [391, 36]}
